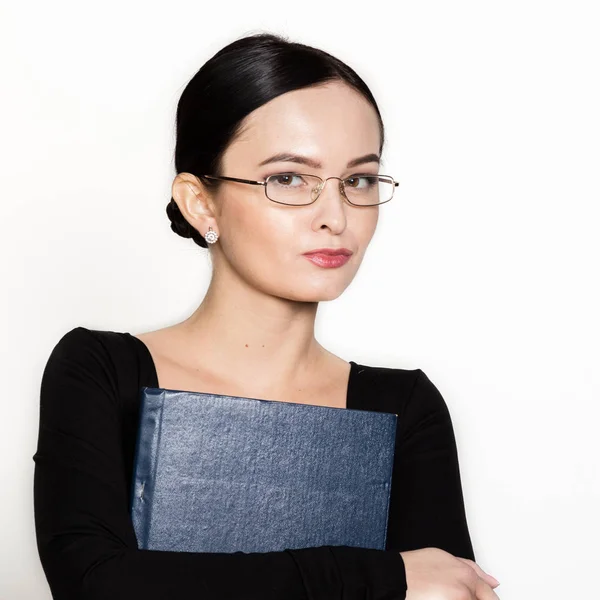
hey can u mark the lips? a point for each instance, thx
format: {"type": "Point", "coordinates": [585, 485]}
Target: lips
{"type": "Point", "coordinates": [328, 260]}
{"type": "Point", "coordinates": [330, 252]}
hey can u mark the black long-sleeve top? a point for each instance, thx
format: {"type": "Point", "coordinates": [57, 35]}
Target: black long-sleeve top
{"type": "Point", "coordinates": [84, 464]}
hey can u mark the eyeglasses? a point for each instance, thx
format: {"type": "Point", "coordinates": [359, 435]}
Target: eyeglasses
{"type": "Point", "coordinates": [297, 189]}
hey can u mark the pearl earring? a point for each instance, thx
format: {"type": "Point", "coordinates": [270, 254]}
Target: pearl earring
{"type": "Point", "coordinates": [211, 236]}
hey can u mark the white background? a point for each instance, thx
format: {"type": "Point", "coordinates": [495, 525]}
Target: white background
{"type": "Point", "coordinates": [483, 271]}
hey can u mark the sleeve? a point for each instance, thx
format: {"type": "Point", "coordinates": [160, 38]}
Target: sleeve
{"type": "Point", "coordinates": [428, 506]}
{"type": "Point", "coordinates": [85, 537]}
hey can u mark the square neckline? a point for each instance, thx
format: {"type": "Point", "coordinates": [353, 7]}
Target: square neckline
{"type": "Point", "coordinates": [350, 386]}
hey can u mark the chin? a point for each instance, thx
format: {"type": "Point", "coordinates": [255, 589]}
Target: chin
{"type": "Point", "coordinates": [316, 295]}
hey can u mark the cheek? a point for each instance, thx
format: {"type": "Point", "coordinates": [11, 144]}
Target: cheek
{"type": "Point", "coordinates": [260, 238]}
{"type": "Point", "coordinates": [363, 227]}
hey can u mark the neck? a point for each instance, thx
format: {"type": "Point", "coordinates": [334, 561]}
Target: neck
{"type": "Point", "coordinates": [243, 335]}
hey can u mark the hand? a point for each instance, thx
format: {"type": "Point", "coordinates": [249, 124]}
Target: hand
{"type": "Point", "coordinates": [434, 574]}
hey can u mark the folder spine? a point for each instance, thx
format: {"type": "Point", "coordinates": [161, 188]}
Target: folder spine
{"type": "Point", "coordinates": [389, 486]}
{"type": "Point", "coordinates": [152, 402]}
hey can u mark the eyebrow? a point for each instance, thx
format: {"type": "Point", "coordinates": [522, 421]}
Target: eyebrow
{"type": "Point", "coordinates": [305, 160]}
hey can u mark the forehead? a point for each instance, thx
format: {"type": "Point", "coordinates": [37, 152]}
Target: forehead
{"type": "Point", "coordinates": [331, 123]}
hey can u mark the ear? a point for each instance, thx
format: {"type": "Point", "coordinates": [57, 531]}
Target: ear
{"type": "Point", "coordinates": [194, 202]}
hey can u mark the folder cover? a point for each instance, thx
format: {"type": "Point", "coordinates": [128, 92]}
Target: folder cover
{"type": "Point", "coordinates": [216, 473]}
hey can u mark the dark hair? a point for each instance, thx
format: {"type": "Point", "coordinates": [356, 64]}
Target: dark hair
{"type": "Point", "coordinates": [237, 80]}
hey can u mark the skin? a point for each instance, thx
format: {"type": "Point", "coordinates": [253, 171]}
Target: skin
{"type": "Point", "coordinates": [434, 574]}
{"type": "Point", "coordinates": [253, 333]}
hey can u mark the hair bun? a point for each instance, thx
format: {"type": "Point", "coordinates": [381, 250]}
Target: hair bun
{"type": "Point", "coordinates": [180, 225]}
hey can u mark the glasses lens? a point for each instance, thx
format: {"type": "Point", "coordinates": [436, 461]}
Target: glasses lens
{"type": "Point", "coordinates": [368, 190]}
{"type": "Point", "coordinates": [292, 188]}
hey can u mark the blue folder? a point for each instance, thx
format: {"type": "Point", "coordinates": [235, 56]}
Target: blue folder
{"type": "Point", "coordinates": [215, 473]}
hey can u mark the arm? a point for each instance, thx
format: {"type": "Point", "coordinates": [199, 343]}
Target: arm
{"type": "Point", "coordinates": [85, 537]}
{"type": "Point", "coordinates": [427, 506]}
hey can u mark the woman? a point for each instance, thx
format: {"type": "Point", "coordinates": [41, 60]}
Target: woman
{"type": "Point", "coordinates": [257, 126]}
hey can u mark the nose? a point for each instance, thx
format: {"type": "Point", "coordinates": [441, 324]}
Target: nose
{"type": "Point", "coordinates": [316, 191]}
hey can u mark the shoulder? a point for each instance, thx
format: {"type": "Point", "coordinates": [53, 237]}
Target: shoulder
{"type": "Point", "coordinates": [91, 346]}
{"type": "Point", "coordinates": [84, 338]}
{"type": "Point", "coordinates": [107, 359]}
{"type": "Point", "coordinates": [409, 393]}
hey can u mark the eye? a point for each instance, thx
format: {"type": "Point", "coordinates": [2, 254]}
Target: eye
{"type": "Point", "coordinates": [361, 181]}
{"type": "Point", "coordinates": [287, 180]}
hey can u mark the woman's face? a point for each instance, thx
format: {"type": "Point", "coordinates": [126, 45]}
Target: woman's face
{"type": "Point", "coordinates": [264, 242]}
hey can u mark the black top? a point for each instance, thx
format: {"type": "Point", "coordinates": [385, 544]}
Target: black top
{"type": "Point", "coordinates": [84, 464]}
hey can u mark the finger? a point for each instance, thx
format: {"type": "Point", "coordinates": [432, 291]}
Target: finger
{"type": "Point", "coordinates": [489, 579]}
{"type": "Point", "coordinates": [484, 592]}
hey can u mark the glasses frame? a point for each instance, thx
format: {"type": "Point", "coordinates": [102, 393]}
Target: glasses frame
{"type": "Point", "coordinates": [323, 182]}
